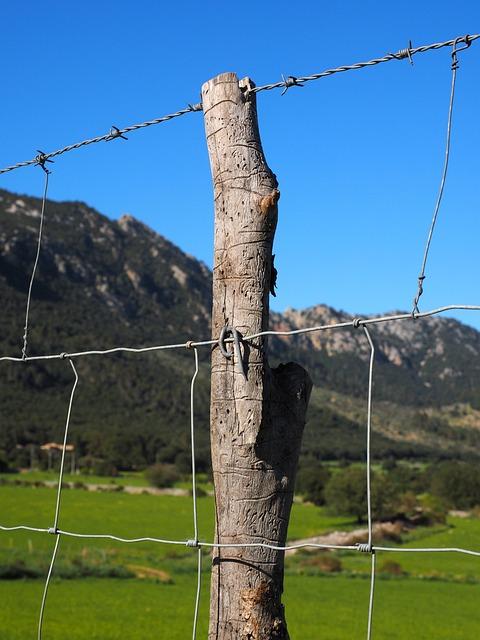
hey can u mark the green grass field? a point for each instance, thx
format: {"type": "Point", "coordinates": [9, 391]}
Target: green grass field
{"type": "Point", "coordinates": [316, 607]}
{"type": "Point", "coordinates": [441, 605]}
{"type": "Point", "coordinates": [133, 479]}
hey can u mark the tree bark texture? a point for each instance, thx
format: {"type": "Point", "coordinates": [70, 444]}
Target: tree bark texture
{"type": "Point", "coordinates": [257, 419]}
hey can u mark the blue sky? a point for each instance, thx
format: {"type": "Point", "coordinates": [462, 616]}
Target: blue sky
{"type": "Point", "coordinates": [358, 155]}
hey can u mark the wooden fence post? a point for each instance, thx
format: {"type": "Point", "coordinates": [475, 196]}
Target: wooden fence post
{"type": "Point", "coordinates": [258, 415]}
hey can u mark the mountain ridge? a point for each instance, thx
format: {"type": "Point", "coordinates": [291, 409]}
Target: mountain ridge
{"type": "Point", "coordinates": [104, 283]}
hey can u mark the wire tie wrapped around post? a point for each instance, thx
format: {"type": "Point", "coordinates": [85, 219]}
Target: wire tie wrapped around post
{"type": "Point", "coordinates": [290, 81]}
{"type": "Point", "coordinates": [195, 107]}
{"type": "Point", "coordinates": [236, 348]}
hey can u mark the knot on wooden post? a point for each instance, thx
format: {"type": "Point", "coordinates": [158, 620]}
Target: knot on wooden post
{"type": "Point", "coordinates": [269, 201]}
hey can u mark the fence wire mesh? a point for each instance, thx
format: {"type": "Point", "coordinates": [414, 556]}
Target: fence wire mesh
{"type": "Point", "coordinates": [196, 543]}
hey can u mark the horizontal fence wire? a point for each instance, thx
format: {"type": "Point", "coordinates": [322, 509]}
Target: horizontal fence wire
{"type": "Point", "coordinates": [199, 545]}
{"type": "Point", "coordinates": [195, 543]}
{"type": "Point", "coordinates": [365, 321]}
{"type": "Point", "coordinates": [284, 84]}
{"type": "Point", "coordinates": [359, 546]}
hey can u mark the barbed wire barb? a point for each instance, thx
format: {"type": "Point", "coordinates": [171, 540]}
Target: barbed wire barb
{"type": "Point", "coordinates": [284, 84]}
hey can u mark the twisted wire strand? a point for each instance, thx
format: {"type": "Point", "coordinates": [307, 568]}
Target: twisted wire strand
{"type": "Point", "coordinates": [294, 332]}
{"type": "Point", "coordinates": [298, 81]}
{"type": "Point", "coordinates": [438, 202]}
{"type": "Point", "coordinates": [283, 84]}
{"type": "Point", "coordinates": [35, 265]}
{"type": "Point", "coordinates": [107, 137]}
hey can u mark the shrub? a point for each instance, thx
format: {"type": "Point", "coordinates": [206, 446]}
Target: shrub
{"type": "Point", "coordinates": [311, 481]}
{"type": "Point", "coordinates": [458, 483]}
{"type": "Point", "coordinates": [161, 475]}
{"type": "Point", "coordinates": [346, 493]}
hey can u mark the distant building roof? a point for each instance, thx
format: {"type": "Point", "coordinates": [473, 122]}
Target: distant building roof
{"type": "Point", "coordinates": [49, 446]}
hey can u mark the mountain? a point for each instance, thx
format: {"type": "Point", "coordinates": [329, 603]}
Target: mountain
{"type": "Point", "coordinates": [103, 283]}
{"type": "Point", "coordinates": [423, 362]}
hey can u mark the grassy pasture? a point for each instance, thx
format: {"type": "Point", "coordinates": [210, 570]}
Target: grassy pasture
{"type": "Point", "coordinates": [318, 606]}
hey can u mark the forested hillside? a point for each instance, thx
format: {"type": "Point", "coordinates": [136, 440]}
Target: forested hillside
{"type": "Point", "coordinates": [104, 283]}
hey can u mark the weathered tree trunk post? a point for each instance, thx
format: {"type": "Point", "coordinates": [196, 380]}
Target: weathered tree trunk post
{"type": "Point", "coordinates": [257, 419]}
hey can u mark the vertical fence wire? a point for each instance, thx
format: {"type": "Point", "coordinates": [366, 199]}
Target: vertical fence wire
{"type": "Point", "coordinates": [54, 529]}
{"type": "Point", "coordinates": [369, 546]}
{"type": "Point", "coordinates": [198, 592]}
{"type": "Point", "coordinates": [438, 202]}
{"type": "Point", "coordinates": [64, 445]}
{"type": "Point", "coordinates": [35, 265]}
{"type": "Point", "coordinates": [192, 442]}
{"type": "Point", "coordinates": [369, 435]}
{"type": "Point", "coordinates": [371, 596]}
{"type": "Point", "coordinates": [194, 496]}
{"type": "Point", "coordinates": [45, 588]}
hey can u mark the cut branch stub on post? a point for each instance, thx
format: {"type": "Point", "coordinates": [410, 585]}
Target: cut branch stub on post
{"type": "Point", "coordinates": [257, 419]}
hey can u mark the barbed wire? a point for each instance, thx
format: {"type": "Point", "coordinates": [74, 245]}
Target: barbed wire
{"type": "Point", "coordinates": [284, 84]}
{"type": "Point", "coordinates": [107, 137]}
{"type": "Point", "coordinates": [409, 52]}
